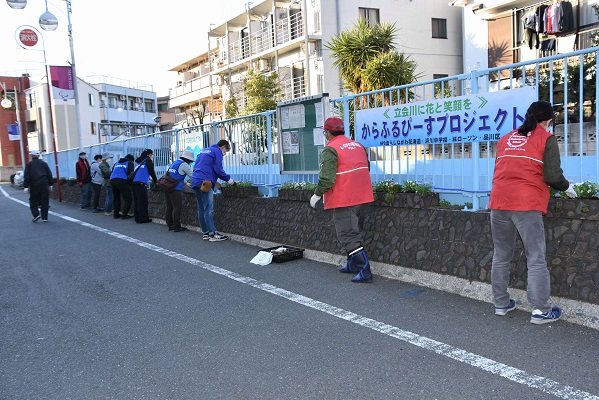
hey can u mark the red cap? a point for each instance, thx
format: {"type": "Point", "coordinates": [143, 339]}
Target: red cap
{"type": "Point", "coordinates": [334, 124]}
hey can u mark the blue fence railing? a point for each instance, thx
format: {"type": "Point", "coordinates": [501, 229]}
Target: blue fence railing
{"type": "Point", "coordinates": [461, 172]}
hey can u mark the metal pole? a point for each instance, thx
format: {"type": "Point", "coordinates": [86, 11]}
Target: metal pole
{"type": "Point", "coordinates": [76, 83]}
{"type": "Point", "coordinates": [52, 131]}
{"type": "Point", "coordinates": [23, 161]}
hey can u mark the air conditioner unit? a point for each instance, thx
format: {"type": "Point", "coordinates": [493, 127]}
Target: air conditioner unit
{"type": "Point", "coordinates": [122, 97]}
{"type": "Point", "coordinates": [137, 100]}
{"type": "Point", "coordinates": [264, 65]}
{"type": "Point", "coordinates": [255, 65]}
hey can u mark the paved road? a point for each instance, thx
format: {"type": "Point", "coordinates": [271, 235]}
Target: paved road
{"type": "Point", "coordinates": [93, 308]}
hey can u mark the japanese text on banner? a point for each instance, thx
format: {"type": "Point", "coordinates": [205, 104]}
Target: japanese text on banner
{"type": "Point", "coordinates": [473, 118]}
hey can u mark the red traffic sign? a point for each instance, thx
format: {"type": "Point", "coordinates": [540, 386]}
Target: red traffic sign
{"type": "Point", "coordinates": [28, 37]}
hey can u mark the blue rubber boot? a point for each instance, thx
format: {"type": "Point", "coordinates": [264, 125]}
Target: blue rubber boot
{"type": "Point", "coordinates": [350, 267]}
{"type": "Point", "coordinates": [360, 260]}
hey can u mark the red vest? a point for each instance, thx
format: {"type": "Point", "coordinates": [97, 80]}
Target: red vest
{"type": "Point", "coordinates": [518, 183]}
{"type": "Point", "coordinates": [352, 183]}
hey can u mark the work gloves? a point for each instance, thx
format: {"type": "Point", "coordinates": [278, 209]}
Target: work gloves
{"type": "Point", "coordinates": [313, 200]}
{"type": "Point", "coordinates": [570, 192]}
{"type": "Point", "coordinates": [230, 182]}
{"type": "Point", "coordinates": [26, 190]}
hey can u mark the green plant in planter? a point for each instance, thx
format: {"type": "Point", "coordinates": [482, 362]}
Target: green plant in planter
{"type": "Point", "coordinates": [444, 203]}
{"type": "Point", "coordinates": [72, 182]}
{"type": "Point", "coordinates": [240, 184]}
{"type": "Point", "coordinates": [587, 190]}
{"type": "Point", "coordinates": [63, 181]}
{"type": "Point", "coordinates": [298, 185]}
{"type": "Point", "coordinates": [584, 190]}
{"type": "Point", "coordinates": [387, 186]}
{"type": "Point", "coordinates": [423, 189]}
{"type": "Point", "coordinates": [389, 197]}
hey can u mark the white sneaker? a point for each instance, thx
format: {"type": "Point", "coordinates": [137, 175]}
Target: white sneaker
{"type": "Point", "coordinates": [217, 237]}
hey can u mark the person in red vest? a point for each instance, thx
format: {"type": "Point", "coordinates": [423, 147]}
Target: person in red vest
{"type": "Point", "coordinates": [527, 161]}
{"type": "Point", "coordinates": [344, 181]}
{"type": "Point", "coordinates": [84, 179]}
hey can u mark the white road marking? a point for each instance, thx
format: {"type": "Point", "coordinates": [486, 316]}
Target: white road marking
{"type": "Point", "coordinates": [514, 374]}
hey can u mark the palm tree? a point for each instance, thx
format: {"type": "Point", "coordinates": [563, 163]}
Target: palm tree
{"type": "Point", "coordinates": [368, 60]}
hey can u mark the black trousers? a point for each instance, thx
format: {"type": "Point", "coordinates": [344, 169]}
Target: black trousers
{"type": "Point", "coordinates": [140, 202]}
{"type": "Point", "coordinates": [39, 197]}
{"type": "Point", "coordinates": [97, 188]}
{"type": "Point", "coordinates": [173, 208]}
{"type": "Point", "coordinates": [120, 187]}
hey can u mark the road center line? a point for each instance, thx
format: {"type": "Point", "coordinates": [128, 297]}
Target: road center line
{"type": "Point", "coordinates": [514, 374]}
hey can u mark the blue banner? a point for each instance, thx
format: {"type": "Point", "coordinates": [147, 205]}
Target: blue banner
{"type": "Point", "coordinates": [473, 118]}
{"type": "Point", "coordinates": [13, 132]}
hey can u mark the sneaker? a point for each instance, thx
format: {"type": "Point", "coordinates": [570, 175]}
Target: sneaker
{"type": "Point", "coordinates": [217, 237]}
{"type": "Point", "coordinates": [205, 236]}
{"type": "Point", "coordinates": [504, 310]}
{"type": "Point", "coordinates": [108, 213]}
{"type": "Point", "coordinates": [96, 210]}
{"type": "Point", "coordinates": [36, 218]}
{"type": "Point", "coordinates": [539, 317]}
{"type": "Point", "coordinates": [44, 220]}
{"type": "Point", "coordinates": [181, 229]}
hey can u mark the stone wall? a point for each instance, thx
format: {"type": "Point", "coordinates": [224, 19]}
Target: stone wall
{"type": "Point", "coordinates": [440, 240]}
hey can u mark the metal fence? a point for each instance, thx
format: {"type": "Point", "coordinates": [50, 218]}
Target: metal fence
{"type": "Point", "coordinates": [461, 173]}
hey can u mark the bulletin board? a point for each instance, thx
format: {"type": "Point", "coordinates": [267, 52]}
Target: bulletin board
{"type": "Point", "coordinates": [301, 139]}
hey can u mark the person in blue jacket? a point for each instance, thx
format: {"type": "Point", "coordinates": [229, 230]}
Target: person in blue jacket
{"type": "Point", "coordinates": [177, 170]}
{"type": "Point", "coordinates": [139, 186]}
{"type": "Point", "coordinates": [208, 168]}
{"type": "Point", "coordinates": [118, 181]}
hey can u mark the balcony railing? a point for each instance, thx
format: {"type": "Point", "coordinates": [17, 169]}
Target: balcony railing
{"type": "Point", "coordinates": [292, 88]}
{"type": "Point", "coordinates": [286, 29]}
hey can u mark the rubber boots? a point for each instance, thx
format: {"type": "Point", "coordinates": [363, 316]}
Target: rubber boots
{"type": "Point", "coordinates": [360, 261]}
{"type": "Point", "coordinates": [349, 267]}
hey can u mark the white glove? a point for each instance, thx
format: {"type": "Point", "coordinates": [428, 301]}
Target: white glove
{"type": "Point", "coordinates": [313, 200]}
{"type": "Point", "coordinates": [570, 192]}
{"type": "Point", "coordinates": [26, 190]}
{"type": "Point", "coordinates": [230, 182]}
{"type": "Point", "coordinates": [51, 188]}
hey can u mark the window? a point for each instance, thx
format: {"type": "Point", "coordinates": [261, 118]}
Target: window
{"type": "Point", "coordinates": [91, 99]}
{"type": "Point", "coordinates": [371, 15]}
{"type": "Point", "coordinates": [93, 128]}
{"type": "Point", "coordinates": [439, 28]}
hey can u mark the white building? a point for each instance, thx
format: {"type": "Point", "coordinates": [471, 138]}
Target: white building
{"type": "Point", "coordinates": [495, 32]}
{"type": "Point", "coordinates": [108, 109]}
{"type": "Point", "coordinates": [288, 37]}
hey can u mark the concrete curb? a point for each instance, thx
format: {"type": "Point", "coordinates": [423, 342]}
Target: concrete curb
{"type": "Point", "coordinates": [575, 312]}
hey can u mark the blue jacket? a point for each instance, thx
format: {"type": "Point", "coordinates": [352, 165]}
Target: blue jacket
{"type": "Point", "coordinates": [142, 175]}
{"type": "Point", "coordinates": [209, 166]}
{"type": "Point", "coordinates": [120, 169]}
{"type": "Point", "coordinates": [173, 171]}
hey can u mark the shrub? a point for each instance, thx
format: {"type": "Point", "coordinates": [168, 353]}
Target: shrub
{"type": "Point", "coordinates": [242, 184]}
{"type": "Point", "coordinates": [587, 190]}
{"type": "Point", "coordinates": [298, 185]}
{"type": "Point", "coordinates": [387, 186]}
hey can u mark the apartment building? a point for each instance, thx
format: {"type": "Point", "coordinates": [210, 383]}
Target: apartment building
{"type": "Point", "coordinates": [109, 108]}
{"type": "Point", "coordinates": [289, 36]}
{"type": "Point", "coordinates": [500, 32]}
{"type": "Point", "coordinates": [127, 108]}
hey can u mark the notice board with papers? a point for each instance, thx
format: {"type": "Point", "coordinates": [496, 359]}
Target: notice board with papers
{"type": "Point", "coordinates": [301, 139]}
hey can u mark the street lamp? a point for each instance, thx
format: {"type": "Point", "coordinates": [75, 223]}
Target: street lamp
{"type": "Point", "coordinates": [49, 22]}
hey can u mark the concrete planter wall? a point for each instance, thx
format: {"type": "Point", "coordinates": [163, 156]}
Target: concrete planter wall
{"type": "Point", "coordinates": [445, 241]}
{"type": "Point", "coordinates": [239, 192]}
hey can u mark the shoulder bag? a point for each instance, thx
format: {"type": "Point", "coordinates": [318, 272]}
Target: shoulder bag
{"type": "Point", "coordinates": [167, 183]}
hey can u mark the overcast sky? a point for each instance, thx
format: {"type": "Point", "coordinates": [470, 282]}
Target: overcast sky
{"type": "Point", "coordinates": [127, 39]}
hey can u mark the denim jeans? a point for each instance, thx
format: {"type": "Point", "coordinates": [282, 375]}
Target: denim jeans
{"type": "Point", "coordinates": [86, 195]}
{"type": "Point", "coordinates": [108, 201]}
{"type": "Point", "coordinates": [529, 224]}
{"type": "Point", "coordinates": [205, 210]}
